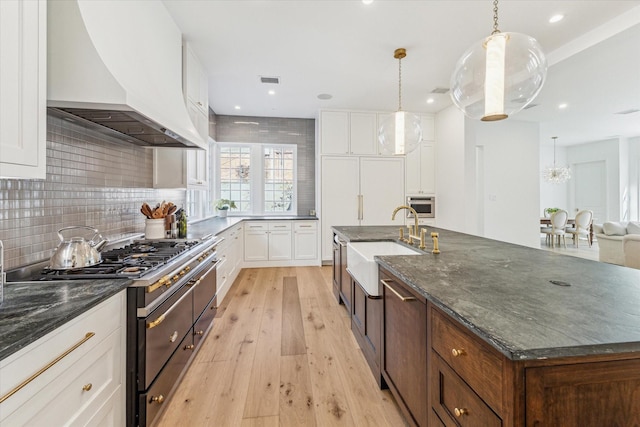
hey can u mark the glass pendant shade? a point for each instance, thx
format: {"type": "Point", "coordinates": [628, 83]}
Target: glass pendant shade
{"type": "Point", "coordinates": [400, 133]}
{"type": "Point", "coordinates": [498, 76]}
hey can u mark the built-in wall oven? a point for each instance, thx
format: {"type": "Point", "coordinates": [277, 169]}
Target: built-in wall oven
{"type": "Point", "coordinates": [425, 206]}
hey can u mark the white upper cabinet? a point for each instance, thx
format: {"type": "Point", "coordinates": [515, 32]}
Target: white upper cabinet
{"type": "Point", "coordinates": [23, 62]}
{"type": "Point", "coordinates": [420, 168]}
{"type": "Point", "coordinates": [180, 168]}
{"type": "Point", "coordinates": [428, 124]}
{"type": "Point", "coordinates": [363, 135]}
{"type": "Point", "coordinates": [343, 132]}
{"type": "Point", "coordinates": [195, 88]}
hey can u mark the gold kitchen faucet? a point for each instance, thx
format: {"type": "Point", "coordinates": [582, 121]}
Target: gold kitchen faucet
{"type": "Point", "coordinates": [412, 231]}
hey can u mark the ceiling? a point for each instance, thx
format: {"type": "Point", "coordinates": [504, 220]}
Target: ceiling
{"type": "Point", "coordinates": [345, 48]}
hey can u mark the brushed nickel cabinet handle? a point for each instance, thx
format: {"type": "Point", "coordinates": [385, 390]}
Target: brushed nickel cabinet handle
{"type": "Point", "coordinates": [46, 367]}
{"type": "Point", "coordinates": [388, 286]}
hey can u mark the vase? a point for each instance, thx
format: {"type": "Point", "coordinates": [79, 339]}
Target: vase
{"type": "Point", "coordinates": [222, 213]}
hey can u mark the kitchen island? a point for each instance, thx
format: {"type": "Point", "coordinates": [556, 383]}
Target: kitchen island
{"type": "Point", "coordinates": [514, 335]}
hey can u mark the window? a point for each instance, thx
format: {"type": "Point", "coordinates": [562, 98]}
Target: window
{"type": "Point", "coordinates": [259, 178]}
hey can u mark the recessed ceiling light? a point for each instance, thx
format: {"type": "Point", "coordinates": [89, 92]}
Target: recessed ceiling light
{"type": "Point", "coordinates": [325, 96]}
{"type": "Point", "coordinates": [562, 106]}
{"type": "Point", "coordinates": [556, 18]}
{"type": "Point", "coordinates": [367, 1]}
{"type": "Point", "coordinates": [272, 92]}
{"type": "Point", "coordinates": [430, 101]}
{"type": "Point", "coordinates": [237, 107]}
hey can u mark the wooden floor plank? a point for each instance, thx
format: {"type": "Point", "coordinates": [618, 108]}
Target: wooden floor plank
{"type": "Point", "coordinates": [293, 341]}
{"type": "Point", "coordinates": [328, 389]}
{"type": "Point", "coordinates": [263, 397]}
{"type": "Point", "coordinates": [296, 395]}
{"type": "Point", "coordinates": [272, 421]}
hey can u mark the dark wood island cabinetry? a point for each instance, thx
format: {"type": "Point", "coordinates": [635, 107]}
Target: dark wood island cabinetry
{"type": "Point", "coordinates": [482, 335]}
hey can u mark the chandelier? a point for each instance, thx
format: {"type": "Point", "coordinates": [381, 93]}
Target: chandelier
{"type": "Point", "coordinates": [555, 174]}
{"type": "Point", "coordinates": [498, 75]}
{"type": "Point", "coordinates": [401, 133]}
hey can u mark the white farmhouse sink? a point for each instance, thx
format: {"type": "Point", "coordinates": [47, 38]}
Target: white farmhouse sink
{"type": "Point", "coordinates": [362, 266]}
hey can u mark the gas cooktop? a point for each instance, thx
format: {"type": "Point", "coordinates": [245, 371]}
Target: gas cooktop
{"type": "Point", "coordinates": [131, 261]}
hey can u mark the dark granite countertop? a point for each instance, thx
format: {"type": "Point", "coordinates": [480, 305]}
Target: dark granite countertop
{"type": "Point", "coordinates": [502, 292]}
{"type": "Point", "coordinates": [217, 225]}
{"type": "Point", "coordinates": [33, 309]}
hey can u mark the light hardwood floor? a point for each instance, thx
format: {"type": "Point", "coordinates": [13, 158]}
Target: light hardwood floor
{"type": "Point", "coordinates": [281, 353]}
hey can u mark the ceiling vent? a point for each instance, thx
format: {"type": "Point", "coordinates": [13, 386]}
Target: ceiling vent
{"type": "Point", "coordinates": [271, 80]}
{"type": "Point", "coordinates": [629, 111]}
{"type": "Point", "coordinates": [440, 90]}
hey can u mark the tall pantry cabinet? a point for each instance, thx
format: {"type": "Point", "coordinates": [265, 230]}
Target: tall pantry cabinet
{"type": "Point", "coordinates": [358, 186]}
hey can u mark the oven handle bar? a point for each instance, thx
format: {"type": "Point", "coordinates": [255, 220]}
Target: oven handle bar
{"type": "Point", "coordinates": [163, 316]}
{"type": "Point", "coordinates": [209, 270]}
{"type": "Point", "coordinates": [178, 272]}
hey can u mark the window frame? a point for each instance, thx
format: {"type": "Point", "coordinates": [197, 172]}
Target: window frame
{"type": "Point", "coordinates": [257, 178]}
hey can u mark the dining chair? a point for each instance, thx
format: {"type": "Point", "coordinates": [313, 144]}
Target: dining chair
{"type": "Point", "coordinates": [581, 227]}
{"type": "Point", "coordinates": [558, 223]}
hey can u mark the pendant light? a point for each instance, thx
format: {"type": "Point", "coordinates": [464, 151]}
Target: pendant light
{"type": "Point", "coordinates": [555, 174]}
{"type": "Point", "coordinates": [499, 75]}
{"type": "Point", "coordinates": [401, 133]}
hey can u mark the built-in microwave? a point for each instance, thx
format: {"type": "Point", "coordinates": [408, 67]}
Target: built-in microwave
{"type": "Point", "coordinates": [424, 206]}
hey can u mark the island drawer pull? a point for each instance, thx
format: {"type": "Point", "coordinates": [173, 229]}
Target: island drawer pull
{"type": "Point", "coordinates": [460, 412]}
{"type": "Point", "coordinates": [388, 286]}
{"type": "Point", "coordinates": [46, 367]}
{"type": "Point", "coordinates": [458, 352]}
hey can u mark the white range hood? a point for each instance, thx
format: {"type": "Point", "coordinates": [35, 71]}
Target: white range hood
{"type": "Point", "coordinates": [119, 64]}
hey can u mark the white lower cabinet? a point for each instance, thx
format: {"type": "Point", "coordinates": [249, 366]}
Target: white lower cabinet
{"type": "Point", "coordinates": [230, 254]}
{"type": "Point", "coordinates": [85, 378]}
{"type": "Point", "coordinates": [305, 239]}
{"type": "Point", "coordinates": [280, 243]}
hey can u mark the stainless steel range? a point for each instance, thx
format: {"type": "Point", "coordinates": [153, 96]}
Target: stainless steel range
{"type": "Point", "coordinates": [170, 308]}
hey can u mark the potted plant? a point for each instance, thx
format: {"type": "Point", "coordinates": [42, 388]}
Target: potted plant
{"type": "Point", "coordinates": [223, 205]}
{"type": "Point", "coordinates": [549, 211]}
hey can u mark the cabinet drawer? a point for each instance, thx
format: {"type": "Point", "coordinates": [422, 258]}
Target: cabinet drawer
{"type": "Point", "coordinates": [77, 392]}
{"type": "Point", "coordinates": [455, 403]}
{"type": "Point", "coordinates": [305, 225]}
{"type": "Point", "coordinates": [102, 320]}
{"type": "Point", "coordinates": [478, 364]}
{"type": "Point", "coordinates": [257, 226]}
{"type": "Point", "coordinates": [276, 226]}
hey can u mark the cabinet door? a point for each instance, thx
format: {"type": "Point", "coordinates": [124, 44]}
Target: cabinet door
{"type": "Point", "coordinates": [381, 186]}
{"type": "Point", "coordinates": [363, 135]}
{"type": "Point", "coordinates": [427, 168]}
{"type": "Point", "coordinates": [413, 162]}
{"type": "Point", "coordinates": [279, 245]}
{"type": "Point", "coordinates": [334, 132]}
{"type": "Point", "coordinates": [256, 242]}
{"type": "Point", "coordinates": [428, 125]}
{"type": "Point", "coordinates": [305, 240]}
{"type": "Point", "coordinates": [584, 395]}
{"type": "Point", "coordinates": [197, 168]}
{"type": "Point", "coordinates": [404, 358]}
{"type": "Point", "coordinates": [340, 202]}
{"type": "Point", "coordinates": [346, 283]}
{"type": "Point", "coordinates": [23, 62]}
{"type": "Point", "coordinates": [336, 270]}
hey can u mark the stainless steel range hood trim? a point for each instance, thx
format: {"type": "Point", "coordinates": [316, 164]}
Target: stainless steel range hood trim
{"type": "Point", "coordinates": [176, 140]}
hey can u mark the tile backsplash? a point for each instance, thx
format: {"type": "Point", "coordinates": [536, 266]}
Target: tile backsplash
{"type": "Point", "coordinates": [92, 180]}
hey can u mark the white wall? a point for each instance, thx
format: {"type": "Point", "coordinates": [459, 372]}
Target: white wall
{"type": "Point", "coordinates": [634, 179]}
{"type": "Point", "coordinates": [511, 193]}
{"type": "Point", "coordinates": [450, 170]}
{"type": "Point", "coordinates": [553, 195]}
{"type": "Point", "coordinates": [609, 152]}
{"type": "Point", "coordinates": [488, 178]}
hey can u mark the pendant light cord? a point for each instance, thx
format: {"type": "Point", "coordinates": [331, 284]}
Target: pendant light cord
{"type": "Point", "coordinates": [495, 18]}
{"type": "Point", "coordinates": [400, 84]}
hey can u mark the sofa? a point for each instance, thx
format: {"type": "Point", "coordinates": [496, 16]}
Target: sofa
{"type": "Point", "coordinates": [619, 243]}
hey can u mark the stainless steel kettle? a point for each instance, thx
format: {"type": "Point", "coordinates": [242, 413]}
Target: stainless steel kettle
{"type": "Point", "coordinates": [77, 252]}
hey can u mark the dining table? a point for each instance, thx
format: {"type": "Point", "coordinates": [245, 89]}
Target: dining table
{"type": "Point", "coordinates": [570, 221]}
